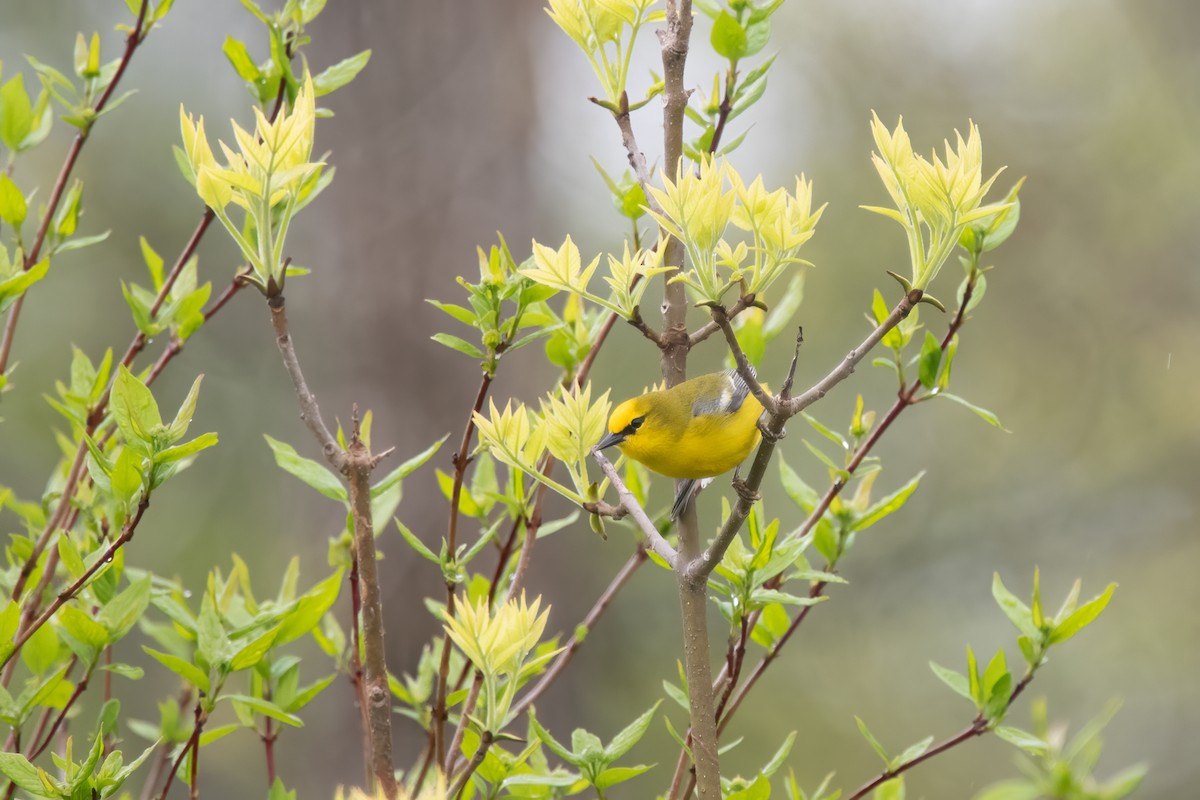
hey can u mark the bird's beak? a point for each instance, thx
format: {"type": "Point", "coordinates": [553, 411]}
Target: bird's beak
{"type": "Point", "coordinates": [610, 440]}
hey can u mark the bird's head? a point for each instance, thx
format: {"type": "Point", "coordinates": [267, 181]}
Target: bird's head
{"type": "Point", "coordinates": [625, 421]}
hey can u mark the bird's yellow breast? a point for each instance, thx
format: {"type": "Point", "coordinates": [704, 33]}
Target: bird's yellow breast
{"type": "Point", "coordinates": [678, 444]}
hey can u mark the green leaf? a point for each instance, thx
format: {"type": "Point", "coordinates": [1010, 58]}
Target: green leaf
{"type": "Point", "coordinates": [929, 360]}
{"type": "Point", "coordinates": [997, 702]}
{"type": "Point", "coordinates": [135, 410]}
{"type": "Point", "coordinates": [80, 242]}
{"type": "Point", "coordinates": [24, 774]}
{"type": "Point", "coordinates": [887, 505]}
{"type": "Point", "coordinates": [12, 202]}
{"type": "Point", "coordinates": [983, 413]}
{"type": "Point", "coordinates": [463, 315]}
{"type": "Point", "coordinates": [16, 286]}
{"type": "Point", "coordinates": [1026, 741]}
{"type": "Point", "coordinates": [184, 669]}
{"type": "Point", "coordinates": [310, 609]}
{"type": "Point", "coordinates": [1082, 616]}
{"type": "Point", "coordinates": [121, 613]}
{"type": "Point", "coordinates": [461, 345]}
{"type": "Point", "coordinates": [80, 625]}
{"type": "Point", "coordinates": [252, 652]}
{"type": "Point", "coordinates": [627, 738]}
{"type": "Point", "coordinates": [955, 680]}
{"type": "Point", "coordinates": [264, 707]}
{"type": "Point", "coordinates": [760, 789]}
{"type": "Point", "coordinates": [41, 650]}
{"type": "Point", "coordinates": [16, 113]}
{"type": "Point", "coordinates": [1017, 612]}
{"type": "Point", "coordinates": [182, 451]}
{"type": "Point", "coordinates": [729, 38]}
{"type": "Point", "coordinates": [416, 544]}
{"type": "Point", "coordinates": [307, 470]}
{"type": "Point", "coordinates": [407, 468]}
{"type": "Point", "coordinates": [615, 775]}
{"type": "Point", "coordinates": [914, 751]}
{"type": "Point", "coordinates": [862, 728]}
{"type": "Point", "coordinates": [183, 417]}
{"type": "Point", "coordinates": [800, 492]}
{"type": "Point", "coordinates": [240, 58]}
{"type": "Point", "coordinates": [340, 74]}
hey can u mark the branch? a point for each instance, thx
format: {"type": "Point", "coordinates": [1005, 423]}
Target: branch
{"type": "Point", "coordinates": [773, 431]}
{"type": "Point", "coordinates": [637, 159]}
{"type": "Point", "coordinates": [654, 540]}
{"type": "Point", "coordinates": [709, 328]}
{"type": "Point", "coordinates": [105, 559]}
{"type": "Point", "coordinates": [359, 463]}
{"type": "Point", "coordinates": [978, 727]}
{"type": "Point", "coordinates": [847, 365]}
{"type": "Point", "coordinates": [309, 412]}
{"type": "Point", "coordinates": [193, 744]}
{"type": "Point", "coordinates": [132, 40]}
{"type": "Point", "coordinates": [485, 743]}
{"type": "Point", "coordinates": [721, 318]}
{"type": "Point", "coordinates": [589, 621]}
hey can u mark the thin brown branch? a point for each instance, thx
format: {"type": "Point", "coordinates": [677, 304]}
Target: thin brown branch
{"type": "Point", "coordinates": [460, 784]}
{"type": "Point", "coordinates": [66, 594]}
{"type": "Point", "coordinates": [135, 37]}
{"type": "Point", "coordinates": [709, 328]}
{"type": "Point", "coordinates": [80, 688]}
{"type": "Point", "coordinates": [653, 539]}
{"type": "Point", "coordinates": [359, 463]}
{"type": "Point", "coordinates": [309, 411]}
{"type": "Point", "coordinates": [589, 621]}
{"type": "Point", "coordinates": [637, 159]}
{"type": "Point", "coordinates": [765, 399]}
{"type": "Point", "coordinates": [192, 745]}
{"type": "Point", "coordinates": [356, 667]}
{"type": "Point", "coordinates": [725, 109]}
{"type": "Point", "coordinates": [813, 593]}
{"type": "Point", "coordinates": [773, 430]}
{"type": "Point", "coordinates": [978, 727]}
{"type": "Point", "coordinates": [465, 715]}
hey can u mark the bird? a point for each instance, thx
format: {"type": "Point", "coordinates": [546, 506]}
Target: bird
{"type": "Point", "coordinates": [695, 430]}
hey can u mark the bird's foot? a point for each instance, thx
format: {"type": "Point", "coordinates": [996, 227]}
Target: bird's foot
{"type": "Point", "coordinates": [749, 495]}
{"type": "Point", "coordinates": [767, 433]}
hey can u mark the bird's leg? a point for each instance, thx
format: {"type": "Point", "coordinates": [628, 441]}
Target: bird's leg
{"type": "Point", "coordinates": [767, 433]}
{"type": "Point", "coordinates": [743, 489]}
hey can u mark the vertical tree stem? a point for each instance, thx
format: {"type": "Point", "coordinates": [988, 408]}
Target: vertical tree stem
{"type": "Point", "coordinates": [359, 464]}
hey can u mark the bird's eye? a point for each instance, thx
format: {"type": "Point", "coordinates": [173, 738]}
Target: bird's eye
{"type": "Point", "coordinates": [636, 422]}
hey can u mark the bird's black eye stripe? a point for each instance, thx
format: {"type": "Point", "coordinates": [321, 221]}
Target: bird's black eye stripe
{"type": "Point", "coordinates": [635, 423]}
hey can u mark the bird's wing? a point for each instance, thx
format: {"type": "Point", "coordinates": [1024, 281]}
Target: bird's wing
{"type": "Point", "coordinates": [733, 393]}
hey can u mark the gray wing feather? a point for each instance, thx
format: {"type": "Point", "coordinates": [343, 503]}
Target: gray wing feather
{"type": "Point", "coordinates": [732, 395]}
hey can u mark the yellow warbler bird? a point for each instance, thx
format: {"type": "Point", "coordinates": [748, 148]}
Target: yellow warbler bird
{"type": "Point", "coordinates": [698, 429]}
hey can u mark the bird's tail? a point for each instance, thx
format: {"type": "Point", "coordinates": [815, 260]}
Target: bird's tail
{"type": "Point", "coordinates": [688, 489]}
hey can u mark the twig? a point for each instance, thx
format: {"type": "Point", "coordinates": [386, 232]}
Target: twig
{"type": "Point", "coordinates": [135, 37]}
{"type": "Point", "coordinates": [654, 540]}
{"type": "Point", "coordinates": [765, 399]}
{"type": "Point", "coordinates": [80, 688]}
{"type": "Point", "coordinates": [771, 655]}
{"type": "Point", "coordinates": [359, 464]}
{"type": "Point", "coordinates": [787, 408]}
{"type": "Point", "coordinates": [725, 109]}
{"type": "Point", "coordinates": [978, 727]}
{"type": "Point", "coordinates": [485, 742]}
{"type": "Point", "coordinates": [637, 159]}
{"type": "Point", "coordinates": [460, 461]}
{"type": "Point", "coordinates": [103, 561]}
{"type": "Point", "coordinates": [464, 716]}
{"type": "Point", "coordinates": [309, 411]}
{"type": "Point", "coordinates": [709, 328]}
{"type": "Point", "coordinates": [192, 744]}
{"type": "Point", "coordinates": [589, 621]}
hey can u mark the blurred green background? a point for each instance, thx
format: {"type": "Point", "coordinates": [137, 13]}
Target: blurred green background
{"type": "Point", "coordinates": [471, 118]}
